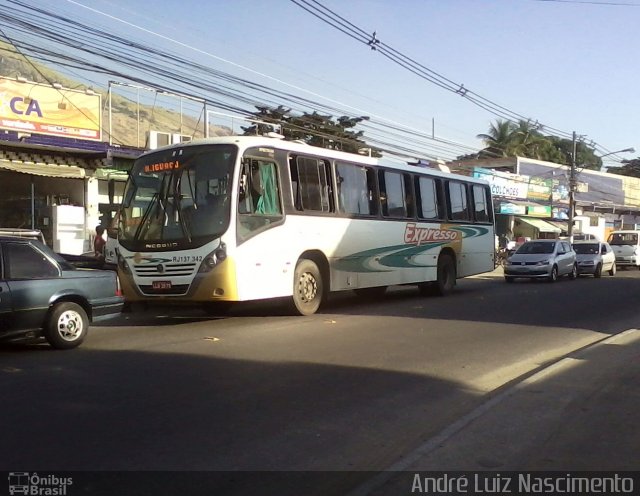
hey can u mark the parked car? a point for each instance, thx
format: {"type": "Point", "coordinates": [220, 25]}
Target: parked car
{"type": "Point", "coordinates": [626, 246]}
{"type": "Point", "coordinates": [542, 259]}
{"type": "Point", "coordinates": [594, 257]}
{"type": "Point", "coordinates": [87, 261]}
{"type": "Point", "coordinates": [23, 233]}
{"type": "Point", "coordinates": [42, 295]}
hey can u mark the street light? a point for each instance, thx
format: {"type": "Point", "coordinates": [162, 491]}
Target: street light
{"type": "Point", "coordinates": [626, 150]}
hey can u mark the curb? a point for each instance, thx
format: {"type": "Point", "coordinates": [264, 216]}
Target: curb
{"type": "Point", "coordinates": [387, 475]}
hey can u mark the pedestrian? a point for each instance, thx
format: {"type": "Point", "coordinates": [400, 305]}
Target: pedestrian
{"type": "Point", "coordinates": [98, 243]}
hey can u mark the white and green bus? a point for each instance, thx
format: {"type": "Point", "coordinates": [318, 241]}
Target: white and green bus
{"type": "Point", "coordinates": [229, 219]}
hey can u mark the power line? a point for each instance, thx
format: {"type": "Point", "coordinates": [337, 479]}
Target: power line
{"type": "Point", "coordinates": [338, 22]}
{"type": "Point", "coordinates": [91, 40]}
{"type": "Point", "coordinates": [612, 4]}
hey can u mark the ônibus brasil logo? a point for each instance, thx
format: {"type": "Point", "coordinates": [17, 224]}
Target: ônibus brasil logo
{"type": "Point", "coordinates": [38, 485]}
{"type": "Point", "coordinates": [415, 235]}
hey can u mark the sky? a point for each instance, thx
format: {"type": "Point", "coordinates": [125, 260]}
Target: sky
{"type": "Point", "coordinates": [569, 65]}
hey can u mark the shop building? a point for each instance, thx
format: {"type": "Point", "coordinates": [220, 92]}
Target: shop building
{"type": "Point", "coordinates": [64, 187]}
{"type": "Point", "coordinates": [531, 198]}
{"type": "Point", "coordinates": [56, 172]}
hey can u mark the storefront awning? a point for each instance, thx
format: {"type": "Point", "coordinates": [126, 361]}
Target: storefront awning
{"type": "Point", "coordinates": [540, 225]}
{"type": "Point", "coordinates": [42, 169]}
{"type": "Point", "coordinates": [562, 225]}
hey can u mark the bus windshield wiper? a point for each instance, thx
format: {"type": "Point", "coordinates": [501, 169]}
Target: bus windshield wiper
{"type": "Point", "coordinates": [149, 209]}
{"type": "Point", "coordinates": [178, 207]}
{"type": "Point", "coordinates": [145, 216]}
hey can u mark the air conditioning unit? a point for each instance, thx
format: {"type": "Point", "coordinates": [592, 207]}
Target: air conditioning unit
{"type": "Point", "coordinates": [158, 139]}
{"type": "Point", "coordinates": [181, 138]}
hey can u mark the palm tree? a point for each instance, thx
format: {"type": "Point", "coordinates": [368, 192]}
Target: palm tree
{"type": "Point", "coordinates": [499, 140]}
{"type": "Point", "coordinates": [507, 139]}
{"type": "Point", "coordinates": [528, 141]}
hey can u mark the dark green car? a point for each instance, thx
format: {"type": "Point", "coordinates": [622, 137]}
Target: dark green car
{"type": "Point", "coordinates": [42, 295]}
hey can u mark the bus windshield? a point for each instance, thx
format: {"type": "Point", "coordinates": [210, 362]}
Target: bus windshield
{"type": "Point", "coordinates": [178, 197]}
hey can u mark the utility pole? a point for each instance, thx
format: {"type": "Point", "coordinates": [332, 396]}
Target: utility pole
{"type": "Point", "coordinates": [572, 189]}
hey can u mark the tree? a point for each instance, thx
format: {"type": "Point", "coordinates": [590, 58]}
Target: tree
{"type": "Point", "coordinates": [629, 168]}
{"type": "Point", "coordinates": [508, 139]}
{"type": "Point", "coordinates": [314, 129]}
{"type": "Point", "coordinates": [498, 140]}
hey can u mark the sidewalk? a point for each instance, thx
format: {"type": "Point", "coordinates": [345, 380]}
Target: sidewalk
{"type": "Point", "coordinates": [497, 272]}
{"type": "Point", "coordinates": [577, 414]}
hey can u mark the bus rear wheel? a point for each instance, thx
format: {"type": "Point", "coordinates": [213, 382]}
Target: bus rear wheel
{"type": "Point", "coordinates": [446, 275]}
{"type": "Point", "coordinates": [308, 288]}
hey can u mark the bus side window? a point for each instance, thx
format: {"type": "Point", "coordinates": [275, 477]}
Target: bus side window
{"type": "Point", "coordinates": [258, 195]}
{"type": "Point", "coordinates": [394, 200]}
{"type": "Point", "coordinates": [458, 201]}
{"type": "Point", "coordinates": [312, 184]}
{"type": "Point", "coordinates": [428, 204]}
{"type": "Point", "coordinates": [481, 204]}
{"type": "Point", "coordinates": [356, 186]}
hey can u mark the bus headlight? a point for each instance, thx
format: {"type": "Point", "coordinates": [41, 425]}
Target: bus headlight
{"type": "Point", "coordinates": [221, 252]}
{"type": "Point", "coordinates": [123, 265]}
{"type": "Point", "coordinates": [214, 258]}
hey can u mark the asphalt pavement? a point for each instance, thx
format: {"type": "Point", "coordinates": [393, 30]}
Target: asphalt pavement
{"type": "Point", "coordinates": [577, 414]}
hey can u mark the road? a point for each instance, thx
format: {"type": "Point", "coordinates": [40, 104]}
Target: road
{"type": "Point", "coordinates": [352, 388]}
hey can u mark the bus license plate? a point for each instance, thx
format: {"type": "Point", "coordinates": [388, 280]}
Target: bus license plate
{"type": "Point", "coordinates": [161, 284]}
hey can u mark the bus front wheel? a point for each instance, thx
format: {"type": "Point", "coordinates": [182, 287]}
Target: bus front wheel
{"type": "Point", "coordinates": [308, 288]}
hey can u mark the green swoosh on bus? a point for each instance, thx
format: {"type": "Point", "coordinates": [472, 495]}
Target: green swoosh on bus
{"type": "Point", "coordinates": [398, 256]}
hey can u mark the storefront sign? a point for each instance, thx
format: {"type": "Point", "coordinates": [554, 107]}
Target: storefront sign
{"type": "Point", "coordinates": [561, 213]}
{"type": "Point", "coordinates": [512, 209]}
{"type": "Point", "coordinates": [504, 184]}
{"type": "Point", "coordinates": [593, 186]}
{"type": "Point", "coordinates": [42, 109]}
{"type": "Point", "coordinates": [539, 189]}
{"type": "Point", "coordinates": [539, 210]}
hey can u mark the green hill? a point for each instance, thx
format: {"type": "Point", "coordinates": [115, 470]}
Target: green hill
{"type": "Point", "coordinates": [127, 128]}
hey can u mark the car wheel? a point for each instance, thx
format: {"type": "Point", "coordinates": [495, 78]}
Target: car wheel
{"type": "Point", "coordinates": [67, 325]}
{"type": "Point", "coordinates": [598, 272]}
{"type": "Point", "coordinates": [553, 277]}
{"type": "Point", "coordinates": [574, 272]}
{"type": "Point", "coordinates": [612, 271]}
{"type": "Point", "coordinates": [308, 288]}
{"type": "Point", "coordinates": [446, 275]}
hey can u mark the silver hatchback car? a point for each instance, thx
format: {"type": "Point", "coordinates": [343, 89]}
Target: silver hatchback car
{"type": "Point", "coordinates": [542, 259]}
{"type": "Point", "coordinates": [595, 257]}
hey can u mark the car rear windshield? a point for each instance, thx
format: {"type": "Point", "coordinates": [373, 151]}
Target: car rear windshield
{"type": "Point", "coordinates": [536, 248]}
{"type": "Point", "coordinates": [623, 239]}
{"type": "Point", "coordinates": [586, 248]}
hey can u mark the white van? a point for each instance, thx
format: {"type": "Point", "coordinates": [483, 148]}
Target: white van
{"type": "Point", "coordinates": [626, 246]}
